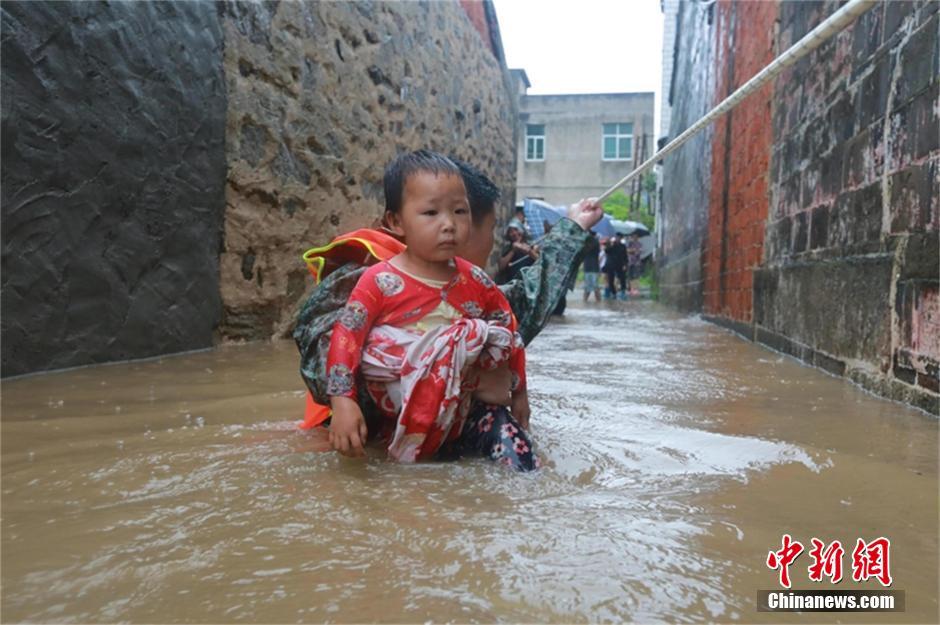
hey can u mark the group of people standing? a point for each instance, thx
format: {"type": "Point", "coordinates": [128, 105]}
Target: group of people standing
{"type": "Point", "coordinates": [620, 259]}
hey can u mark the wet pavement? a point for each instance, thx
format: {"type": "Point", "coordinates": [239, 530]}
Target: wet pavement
{"type": "Point", "coordinates": [677, 455]}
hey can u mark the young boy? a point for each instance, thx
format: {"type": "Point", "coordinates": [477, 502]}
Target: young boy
{"type": "Point", "coordinates": [421, 325]}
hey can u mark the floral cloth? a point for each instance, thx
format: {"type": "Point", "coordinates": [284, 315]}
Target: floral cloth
{"type": "Point", "coordinates": [491, 431]}
{"type": "Point", "coordinates": [423, 380]}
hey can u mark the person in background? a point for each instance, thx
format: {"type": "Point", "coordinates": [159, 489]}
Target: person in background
{"type": "Point", "coordinates": [634, 262]}
{"type": "Point", "coordinates": [616, 267]}
{"type": "Point", "coordinates": [516, 254]}
{"type": "Point", "coordinates": [519, 215]}
{"type": "Point", "coordinates": [592, 268]}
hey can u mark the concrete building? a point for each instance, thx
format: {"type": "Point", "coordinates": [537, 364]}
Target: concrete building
{"type": "Point", "coordinates": [577, 145]}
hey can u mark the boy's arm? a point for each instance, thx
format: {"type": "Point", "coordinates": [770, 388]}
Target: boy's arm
{"type": "Point", "coordinates": [349, 335]}
{"type": "Point", "coordinates": [517, 366]}
{"type": "Point", "coordinates": [348, 429]}
{"type": "Point", "coordinates": [496, 308]}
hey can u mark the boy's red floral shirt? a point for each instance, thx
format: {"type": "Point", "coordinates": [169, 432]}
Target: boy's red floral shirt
{"type": "Point", "coordinates": [386, 297]}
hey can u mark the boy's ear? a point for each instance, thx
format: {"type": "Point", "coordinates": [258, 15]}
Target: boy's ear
{"type": "Point", "coordinates": [393, 223]}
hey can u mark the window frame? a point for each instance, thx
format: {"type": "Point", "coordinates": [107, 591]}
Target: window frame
{"type": "Point", "coordinates": [535, 140]}
{"type": "Point", "coordinates": [616, 136]}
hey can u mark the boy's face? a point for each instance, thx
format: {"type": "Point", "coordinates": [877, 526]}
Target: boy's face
{"type": "Point", "coordinates": [479, 245]}
{"type": "Point", "coordinates": [435, 216]}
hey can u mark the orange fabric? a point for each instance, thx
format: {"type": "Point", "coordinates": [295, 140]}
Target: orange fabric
{"type": "Point", "coordinates": [365, 246]}
{"type": "Point", "coordinates": [314, 414]}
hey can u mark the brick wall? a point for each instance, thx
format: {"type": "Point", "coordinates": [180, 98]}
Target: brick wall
{"type": "Point", "coordinates": [740, 156]}
{"type": "Point", "coordinates": [822, 229]}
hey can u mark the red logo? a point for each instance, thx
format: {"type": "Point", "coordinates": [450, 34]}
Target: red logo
{"type": "Point", "coordinates": [868, 560]}
{"type": "Point", "coordinates": [871, 560]}
{"type": "Point", "coordinates": [783, 558]}
{"type": "Point", "coordinates": [826, 562]}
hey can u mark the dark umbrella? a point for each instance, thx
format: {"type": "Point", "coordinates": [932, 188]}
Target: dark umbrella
{"type": "Point", "coordinates": [630, 227]}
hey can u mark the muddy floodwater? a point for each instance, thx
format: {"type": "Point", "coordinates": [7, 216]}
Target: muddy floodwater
{"type": "Point", "coordinates": [677, 455]}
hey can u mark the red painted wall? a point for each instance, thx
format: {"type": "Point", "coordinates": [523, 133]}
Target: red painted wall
{"type": "Point", "coordinates": [477, 14]}
{"type": "Point", "coordinates": [739, 199]}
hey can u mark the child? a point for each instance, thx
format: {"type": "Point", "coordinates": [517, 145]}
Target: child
{"type": "Point", "coordinates": [421, 325]}
{"type": "Point", "coordinates": [338, 266]}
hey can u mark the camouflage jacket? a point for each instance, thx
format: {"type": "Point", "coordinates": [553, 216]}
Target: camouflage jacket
{"type": "Point", "coordinates": [533, 296]}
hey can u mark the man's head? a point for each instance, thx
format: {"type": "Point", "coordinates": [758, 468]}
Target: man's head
{"type": "Point", "coordinates": [519, 214]}
{"type": "Point", "coordinates": [515, 231]}
{"type": "Point", "coordinates": [426, 203]}
{"type": "Point", "coordinates": [483, 195]}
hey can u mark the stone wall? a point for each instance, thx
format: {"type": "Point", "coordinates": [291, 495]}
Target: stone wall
{"type": "Point", "coordinates": [844, 212]}
{"type": "Point", "coordinates": [321, 97]}
{"type": "Point", "coordinates": [166, 164]}
{"type": "Point", "coordinates": [113, 169]}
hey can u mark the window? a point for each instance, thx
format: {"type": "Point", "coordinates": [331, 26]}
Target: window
{"type": "Point", "coordinates": [617, 142]}
{"type": "Point", "coordinates": [535, 142]}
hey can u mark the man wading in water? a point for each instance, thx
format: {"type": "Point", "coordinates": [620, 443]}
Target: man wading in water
{"type": "Point", "coordinates": [532, 296]}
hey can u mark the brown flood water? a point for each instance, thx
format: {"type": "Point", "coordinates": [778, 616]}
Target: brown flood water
{"type": "Point", "coordinates": [677, 455]}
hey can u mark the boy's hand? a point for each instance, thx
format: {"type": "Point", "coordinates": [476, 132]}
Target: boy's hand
{"type": "Point", "coordinates": [348, 429]}
{"type": "Point", "coordinates": [586, 213]}
{"type": "Point", "coordinates": [520, 408]}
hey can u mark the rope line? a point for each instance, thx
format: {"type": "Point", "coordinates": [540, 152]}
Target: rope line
{"type": "Point", "coordinates": [833, 24]}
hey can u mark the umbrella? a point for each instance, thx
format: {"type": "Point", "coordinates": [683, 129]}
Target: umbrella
{"type": "Point", "coordinates": [630, 227]}
{"type": "Point", "coordinates": [537, 212]}
{"type": "Point", "coordinates": [605, 227]}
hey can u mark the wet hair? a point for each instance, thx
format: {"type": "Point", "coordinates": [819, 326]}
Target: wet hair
{"type": "Point", "coordinates": [408, 164]}
{"type": "Point", "coordinates": [481, 192]}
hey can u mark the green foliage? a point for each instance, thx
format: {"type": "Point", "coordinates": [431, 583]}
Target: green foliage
{"type": "Point", "coordinates": [620, 206]}
{"type": "Point", "coordinates": [650, 280]}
